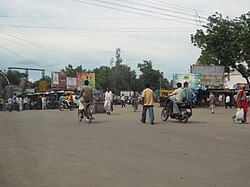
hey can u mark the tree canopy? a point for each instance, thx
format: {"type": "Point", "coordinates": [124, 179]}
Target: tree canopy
{"type": "Point", "coordinates": [225, 42]}
{"type": "Point", "coordinates": [118, 76]}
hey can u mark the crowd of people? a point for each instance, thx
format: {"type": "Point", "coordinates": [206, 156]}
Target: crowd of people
{"type": "Point", "coordinates": [147, 98]}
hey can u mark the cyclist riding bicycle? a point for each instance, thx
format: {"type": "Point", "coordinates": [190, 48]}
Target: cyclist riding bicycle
{"type": "Point", "coordinates": [86, 98]}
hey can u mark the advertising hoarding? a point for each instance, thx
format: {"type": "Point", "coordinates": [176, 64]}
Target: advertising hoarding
{"type": "Point", "coordinates": [193, 80]}
{"type": "Point", "coordinates": [82, 76]}
{"type": "Point", "coordinates": [211, 76]}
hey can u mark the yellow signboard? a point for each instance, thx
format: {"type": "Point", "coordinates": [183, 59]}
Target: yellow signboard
{"type": "Point", "coordinates": [42, 86]}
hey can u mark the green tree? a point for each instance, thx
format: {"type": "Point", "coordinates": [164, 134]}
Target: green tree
{"type": "Point", "coordinates": [103, 78]}
{"type": "Point", "coordinates": [15, 77]}
{"type": "Point", "coordinates": [150, 75]}
{"type": "Point", "coordinates": [225, 42]}
{"type": "Point", "coordinates": [71, 72]}
{"type": "Point", "coordinates": [122, 77]}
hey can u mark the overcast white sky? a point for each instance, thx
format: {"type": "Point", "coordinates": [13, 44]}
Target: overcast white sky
{"type": "Point", "coordinates": [51, 34]}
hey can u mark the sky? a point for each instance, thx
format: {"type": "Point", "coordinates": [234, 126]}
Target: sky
{"type": "Point", "coordinates": [50, 34]}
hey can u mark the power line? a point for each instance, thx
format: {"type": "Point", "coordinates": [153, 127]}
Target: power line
{"type": "Point", "coordinates": [34, 42]}
{"type": "Point", "coordinates": [140, 9]}
{"type": "Point", "coordinates": [27, 59]}
{"type": "Point", "coordinates": [126, 29]}
{"type": "Point", "coordinates": [160, 8]}
{"type": "Point", "coordinates": [139, 13]}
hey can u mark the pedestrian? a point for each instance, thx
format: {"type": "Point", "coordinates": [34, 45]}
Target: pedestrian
{"type": "Point", "coordinates": [242, 102]}
{"type": "Point", "coordinates": [20, 100]}
{"type": "Point", "coordinates": [220, 99]}
{"type": "Point", "coordinates": [25, 103]}
{"type": "Point", "coordinates": [228, 102]}
{"type": "Point", "coordinates": [43, 102]}
{"type": "Point", "coordinates": [211, 100]}
{"type": "Point", "coordinates": [123, 100]}
{"type": "Point", "coordinates": [134, 100]}
{"type": "Point", "coordinates": [148, 104]}
{"type": "Point", "coordinates": [14, 101]}
{"type": "Point", "coordinates": [108, 101]}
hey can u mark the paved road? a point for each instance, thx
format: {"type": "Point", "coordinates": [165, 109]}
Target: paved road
{"type": "Point", "coordinates": [51, 148]}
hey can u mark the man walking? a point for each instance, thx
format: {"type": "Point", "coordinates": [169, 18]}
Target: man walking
{"type": "Point", "coordinates": [228, 102]}
{"type": "Point", "coordinates": [148, 104]}
{"type": "Point", "coordinates": [108, 101]}
{"type": "Point", "coordinates": [211, 100]}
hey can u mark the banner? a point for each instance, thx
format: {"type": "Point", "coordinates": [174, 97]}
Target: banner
{"type": "Point", "coordinates": [55, 79]}
{"type": "Point", "coordinates": [62, 80]}
{"type": "Point", "coordinates": [59, 80]}
{"type": "Point", "coordinates": [193, 80]}
{"type": "Point", "coordinates": [211, 76]}
{"type": "Point", "coordinates": [82, 76]}
{"type": "Point", "coordinates": [71, 83]}
{"type": "Point", "coordinates": [42, 86]}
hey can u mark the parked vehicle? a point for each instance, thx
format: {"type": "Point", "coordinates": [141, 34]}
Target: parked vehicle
{"type": "Point", "coordinates": [184, 114]}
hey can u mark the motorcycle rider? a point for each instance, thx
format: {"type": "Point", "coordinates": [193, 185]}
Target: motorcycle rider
{"type": "Point", "coordinates": [187, 94]}
{"type": "Point", "coordinates": [69, 100]}
{"type": "Point", "coordinates": [173, 106]}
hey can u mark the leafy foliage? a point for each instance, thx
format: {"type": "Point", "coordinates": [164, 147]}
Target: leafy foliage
{"type": "Point", "coordinates": [225, 42]}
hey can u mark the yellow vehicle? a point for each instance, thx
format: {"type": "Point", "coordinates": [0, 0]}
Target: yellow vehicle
{"type": "Point", "coordinates": [164, 93]}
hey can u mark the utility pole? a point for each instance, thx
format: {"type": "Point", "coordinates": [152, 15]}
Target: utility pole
{"type": "Point", "coordinates": [27, 71]}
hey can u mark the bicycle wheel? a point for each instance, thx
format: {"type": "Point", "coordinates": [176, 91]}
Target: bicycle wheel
{"type": "Point", "coordinates": [89, 114]}
{"type": "Point", "coordinates": [80, 115]}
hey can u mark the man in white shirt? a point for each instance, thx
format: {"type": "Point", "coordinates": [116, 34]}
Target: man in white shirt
{"type": "Point", "coordinates": [220, 99]}
{"type": "Point", "coordinates": [108, 101]}
{"type": "Point", "coordinates": [173, 107]}
{"type": "Point", "coordinates": [228, 102]}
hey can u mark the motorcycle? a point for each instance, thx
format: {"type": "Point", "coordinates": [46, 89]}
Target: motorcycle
{"type": "Point", "coordinates": [185, 111]}
{"type": "Point", "coordinates": [63, 105]}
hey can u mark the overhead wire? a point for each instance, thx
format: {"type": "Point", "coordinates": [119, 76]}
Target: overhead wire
{"type": "Point", "coordinates": [134, 12]}
{"type": "Point", "coordinates": [51, 51]}
{"type": "Point", "coordinates": [25, 58]}
{"type": "Point", "coordinates": [192, 14]}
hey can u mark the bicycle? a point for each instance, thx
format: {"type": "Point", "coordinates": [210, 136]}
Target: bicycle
{"type": "Point", "coordinates": [85, 112]}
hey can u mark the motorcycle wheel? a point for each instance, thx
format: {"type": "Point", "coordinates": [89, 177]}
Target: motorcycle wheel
{"type": "Point", "coordinates": [71, 107]}
{"type": "Point", "coordinates": [61, 107]}
{"type": "Point", "coordinates": [164, 114]}
{"type": "Point", "coordinates": [184, 117]}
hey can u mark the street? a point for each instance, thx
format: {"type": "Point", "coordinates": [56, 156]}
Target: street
{"type": "Point", "coordinates": [51, 148]}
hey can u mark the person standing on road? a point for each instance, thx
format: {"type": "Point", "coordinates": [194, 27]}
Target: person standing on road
{"type": "Point", "coordinates": [108, 101]}
{"type": "Point", "coordinates": [148, 104]}
{"type": "Point", "coordinates": [211, 100]}
{"type": "Point", "coordinates": [228, 102]}
{"type": "Point", "coordinates": [123, 100]}
{"type": "Point", "coordinates": [43, 102]}
{"type": "Point", "coordinates": [220, 99]}
{"type": "Point", "coordinates": [242, 102]}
